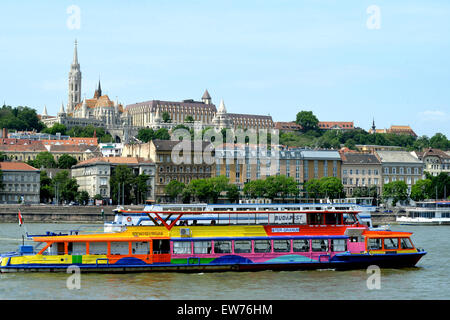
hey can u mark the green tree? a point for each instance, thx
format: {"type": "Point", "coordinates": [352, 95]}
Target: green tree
{"type": "Point", "coordinates": [166, 117]}
{"type": "Point", "coordinates": [20, 118]}
{"type": "Point", "coordinates": [439, 141]}
{"type": "Point", "coordinates": [396, 190]}
{"type": "Point", "coordinates": [142, 187]}
{"type": "Point", "coordinates": [255, 189]}
{"type": "Point", "coordinates": [233, 193]}
{"type": "Point", "coordinates": [56, 128]}
{"type": "Point", "coordinates": [331, 187]}
{"type": "Point", "coordinates": [162, 134]}
{"type": "Point", "coordinates": [83, 197]}
{"type": "Point", "coordinates": [66, 161]}
{"type": "Point", "coordinates": [47, 191]}
{"type": "Point", "coordinates": [313, 188]}
{"type": "Point", "coordinates": [145, 134]}
{"type": "Point", "coordinates": [189, 119]}
{"type": "Point", "coordinates": [421, 190]}
{"type": "Point", "coordinates": [43, 160]}
{"type": "Point", "coordinates": [307, 120]}
{"type": "Point", "coordinates": [174, 189]}
{"type": "Point", "coordinates": [67, 187]}
{"type": "Point", "coordinates": [124, 176]}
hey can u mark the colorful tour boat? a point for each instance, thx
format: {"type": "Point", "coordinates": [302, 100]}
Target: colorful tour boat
{"type": "Point", "coordinates": [313, 240]}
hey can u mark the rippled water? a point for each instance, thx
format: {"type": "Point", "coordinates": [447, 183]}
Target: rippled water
{"type": "Point", "coordinates": [429, 280]}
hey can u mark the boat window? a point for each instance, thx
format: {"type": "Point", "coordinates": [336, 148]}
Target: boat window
{"type": "Point", "coordinates": [338, 245]}
{"type": "Point", "coordinates": [315, 218]}
{"type": "Point", "coordinates": [222, 246]}
{"type": "Point", "coordinates": [77, 248]}
{"type": "Point", "coordinates": [202, 247]}
{"type": "Point", "coordinates": [161, 246]}
{"type": "Point", "coordinates": [262, 246]}
{"type": "Point", "coordinates": [300, 245]}
{"type": "Point", "coordinates": [119, 247]}
{"type": "Point", "coordinates": [390, 243]}
{"type": "Point", "coordinates": [281, 245]}
{"type": "Point", "coordinates": [242, 246]}
{"type": "Point", "coordinates": [374, 244]}
{"type": "Point", "coordinates": [98, 248]}
{"type": "Point", "coordinates": [319, 245]}
{"type": "Point", "coordinates": [406, 243]}
{"type": "Point", "coordinates": [332, 218]}
{"type": "Point", "coordinates": [182, 247]}
{"type": "Point", "coordinates": [139, 248]}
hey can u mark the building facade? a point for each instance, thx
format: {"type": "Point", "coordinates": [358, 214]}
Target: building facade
{"type": "Point", "coordinates": [21, 183]}
{"type": "Point", "coordinates": [360, 170]}
{"type": "Point", "coordinates": [435, 161]}
{"type": "Point", "coordinates": [168, 165]}
{"type": "Point", "coordinates": [400, 166]}
{"type": "Point", "coordinates": [94, 175]}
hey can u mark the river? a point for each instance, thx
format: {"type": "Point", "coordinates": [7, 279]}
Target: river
{"type": "Point", "coordinates": [429, 280]}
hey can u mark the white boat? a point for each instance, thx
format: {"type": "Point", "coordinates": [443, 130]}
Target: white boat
{"type": "Point", "coordinates": [427, 213]}
{"type": "Point", "coordinates": [247, 214]}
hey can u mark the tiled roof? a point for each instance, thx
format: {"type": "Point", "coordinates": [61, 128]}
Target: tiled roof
{"type": "Point", "coordinates": [72, 148]}
{"type": "Point", "coordinates": [16, 166]}
{"type": "Point", "coordinates": [35, 147]}
{"type": "Point", "coordinates": [360, 158]}
{"type": "Point", "coordinates": [114, 160]}
{"type": "Point", "coordinates": [168, 145]}
{"type": "Point", "coordinates": [397, 156]}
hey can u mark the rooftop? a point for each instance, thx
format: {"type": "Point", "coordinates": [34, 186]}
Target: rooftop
{"type": "Point", "coordinates": [397, 156]}
{"type": "Point", "coordinates": [16, 166]}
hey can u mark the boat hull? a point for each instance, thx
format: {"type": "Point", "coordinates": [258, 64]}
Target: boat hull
{"type": "Point", "coordinates": [338, 262]}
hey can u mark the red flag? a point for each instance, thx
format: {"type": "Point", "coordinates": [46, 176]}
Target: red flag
{"type": "Point", "coordinates": [20, 219]}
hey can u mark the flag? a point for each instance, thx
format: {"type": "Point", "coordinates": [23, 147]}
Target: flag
{"type": "Point", "coordinates": [20, 219]}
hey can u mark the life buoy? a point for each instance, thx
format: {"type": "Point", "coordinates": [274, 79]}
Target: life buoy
{"type": "Point", "coordinates": [129, 219]}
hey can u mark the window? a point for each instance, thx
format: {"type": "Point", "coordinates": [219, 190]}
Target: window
{"type": "Point", "coordinates": [202, 247]}
{"type": "Point", "coordinates": [77, 248]}
{"type": "Point", "coordinates": [98, 248]}
{"type": "Point", "coordinates": [338, 245]}
{"type": "Point", "coordinates": [119, 248]}
{"type": "Point", "coordinates": [319, 245]}
{"type": "Point", "coordinates": [390, 243]}
{"type": "Point", "coordinates": [262, 246]}
{"type": "Point", "coordinates": [181, 247]}
{"type": "Point", "coordinates": [406, 243]}
{"type": "Point", "coordinates": [242, 246]}
{"type": "Point", "coordinates": [140, 248]}
{"type": "Point", "coordinates": [222, 246]}
{"type": "Point", "coordinates": [281, 245]}
{"type": "Point", "coordinates": [300, 245]}
{"type": "Point", "coordinates": [374, 244]}
{"type": "Point", "coordinates": [161, 246]}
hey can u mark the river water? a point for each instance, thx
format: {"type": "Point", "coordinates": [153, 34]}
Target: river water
{"type": "Point", "coordinates": [429, 280]}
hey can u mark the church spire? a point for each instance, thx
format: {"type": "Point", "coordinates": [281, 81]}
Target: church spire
{"type": "Point", "coordinates": [75, 54]}
{"type": "Point", "coordinates": [44, 112]}
{"type": "Point", "coordinates": [98, 92]}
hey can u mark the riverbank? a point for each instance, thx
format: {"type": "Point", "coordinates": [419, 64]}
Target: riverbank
{"type": "Point", "coordinates": [93, 214]}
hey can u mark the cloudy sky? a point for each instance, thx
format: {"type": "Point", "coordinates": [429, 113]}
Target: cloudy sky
{"type": "Point", "coordinates": [349, 60]}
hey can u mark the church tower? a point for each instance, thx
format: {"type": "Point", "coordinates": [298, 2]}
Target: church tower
{"type": "Point", "coordinates": [74, 82]}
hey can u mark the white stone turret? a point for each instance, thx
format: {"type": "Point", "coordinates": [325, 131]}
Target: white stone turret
{"type": "Point", "coordinates": [74, 82]}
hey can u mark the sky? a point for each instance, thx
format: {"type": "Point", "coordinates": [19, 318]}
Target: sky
{"type": "Point", "coordinates": [353, 60]}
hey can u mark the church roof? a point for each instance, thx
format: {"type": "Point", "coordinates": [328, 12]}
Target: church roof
{"type": "Point", "coordinates": [102, 101]}
{"type": "Point", "coordinates": [206, 95]}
